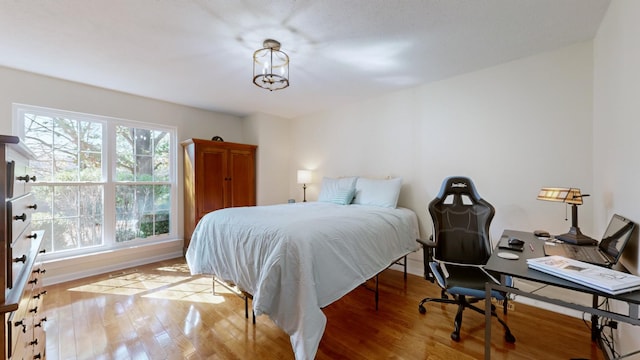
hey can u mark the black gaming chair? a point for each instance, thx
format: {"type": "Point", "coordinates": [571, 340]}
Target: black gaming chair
{"type": "Point", "coordinates": [459, 248]}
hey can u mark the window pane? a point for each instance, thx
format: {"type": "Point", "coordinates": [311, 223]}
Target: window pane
{"type": "Point", "coordinates": [71, 215]}
{"type": "Point", "coordinates": [161, 156]}
{"type": "Point", "coordinates": [66, 201]}
{"type": "Point", "coordinates": [39, 138]}
{"type": "Point", "coordinates": [144, 168]}
{"type": "Point", "coordinates": [142, 155]}
{"type": "Point", "coordinates": [65, 234]}
{"type": "Point", "coordinates": [144, 142]}
{"type": "Point", "coordinates": [65, 149]}
{"type": "Point", "coordinates": [124, 154]}
{"type": "Point", "coordinates": [126, 218]}
{"type": "Point", "coordinates": [91, 217]}
{"type": "Point", "coordinates": [142, 211]}
{"type": "Point", "coordinates": [90, 151]}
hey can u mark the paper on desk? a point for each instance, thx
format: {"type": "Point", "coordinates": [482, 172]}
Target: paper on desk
{"type": "Point", "coordinates": [597, 277]}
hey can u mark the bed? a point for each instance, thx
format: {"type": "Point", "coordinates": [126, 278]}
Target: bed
{"type": "Point", "coordinates": [295, 259]}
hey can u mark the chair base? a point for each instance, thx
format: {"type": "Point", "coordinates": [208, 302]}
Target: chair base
{"type": "Point", "coordinates": [464, 303]}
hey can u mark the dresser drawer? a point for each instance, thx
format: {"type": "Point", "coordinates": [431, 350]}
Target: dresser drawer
{"type": "Point", "coordinates": [23, 252]}
{"type": "Point", "coordinates": [20, 327]}
{"type": "Point", "coordinates": [19, 212]}
{"type": "Point", "coordinates": [19, 254]}
{"type": "Point", "coordinates": [20, 176]}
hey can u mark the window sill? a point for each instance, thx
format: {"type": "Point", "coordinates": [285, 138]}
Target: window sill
{"type": "Point", "coordinates": [81, 266]}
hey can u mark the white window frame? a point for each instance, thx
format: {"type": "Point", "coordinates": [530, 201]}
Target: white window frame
{"type": "Point", "coordinates": [108, 177]}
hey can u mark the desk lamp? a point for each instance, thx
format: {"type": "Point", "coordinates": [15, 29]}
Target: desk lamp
{"type": "Point", "coordinates": [569, 196]}
{"type": "Point", "coordinates": [304, 177]}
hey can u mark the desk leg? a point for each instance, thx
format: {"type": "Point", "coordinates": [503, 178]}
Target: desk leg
{"type": "Point", "coordinates": [487, 321]}
{"type": "Point", "coordinates": [594, 320]}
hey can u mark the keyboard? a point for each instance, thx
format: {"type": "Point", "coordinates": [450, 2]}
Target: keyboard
{"type": "Point", "coordinates": [588, 254]}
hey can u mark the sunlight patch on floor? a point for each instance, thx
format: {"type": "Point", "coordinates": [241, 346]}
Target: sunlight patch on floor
{"type": "Point", "coordinates": [171, 286]}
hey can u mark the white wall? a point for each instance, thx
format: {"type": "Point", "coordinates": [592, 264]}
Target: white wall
{"type": "Point", "coordinates": [27, 88]}
{"type": "Point", "coordinates": [616, 128]}
{"type": "Point", "coordinates": [512, 128]}
{"type": "Point", "coordinates": [272, 135]}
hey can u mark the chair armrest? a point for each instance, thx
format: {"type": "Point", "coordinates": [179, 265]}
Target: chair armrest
{"type": "Point", "coordinates": [428, 251]}
{"type": "Point", "coordinates": [427, 243]}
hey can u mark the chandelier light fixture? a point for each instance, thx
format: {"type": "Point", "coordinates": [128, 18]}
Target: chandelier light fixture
{"type": "Point", "coordinates": [271, 66]}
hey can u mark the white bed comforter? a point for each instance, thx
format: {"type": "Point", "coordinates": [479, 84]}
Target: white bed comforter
{"type": "Point", "coordinates": [297, 258]}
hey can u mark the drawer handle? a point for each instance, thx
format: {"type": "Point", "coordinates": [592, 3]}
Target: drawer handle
{"type": "Point", "coordinates": [34, 342]}
{"type": "Point", "coordinates": [37, 356]}
{"type": "Point", "coordinates": [22, 259]}
{"type": "Point", "coordinates": [21, 323]}
{"type": "Point", "coordinates": [27, 178]}
{"type": "Point", "coordinates": [39, 271]}
{"type": "Point", "coordinates": [32, 236]}
{"type": "Point", "coordinates": [34, 207]}
{"type": "Point", "coordinates": [34, 310]}
{"type": "Point", "coordinates": [22, 217]}
{"type": "Point", "coordinates": [40, 323]}
{"type": "Point", "coordinates": [33, 282]}
{"type": "Point", "coordinates": [42, 251]}
{"type": "Point", "coordinates": [38, 296]}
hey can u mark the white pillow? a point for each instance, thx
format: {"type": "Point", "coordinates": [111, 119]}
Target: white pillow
{"type": "Point", "coordinates": [378, 192]}
{"type": "Point", "coordinates": [338, 191]}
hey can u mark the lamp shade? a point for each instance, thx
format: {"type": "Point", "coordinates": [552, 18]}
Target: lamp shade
{"type": "Point", "coordinates": [304, 176]}
{"type": "Point", "coordinates": [574, 197]}
{"type": "Point", "coordinates": [567, 195]}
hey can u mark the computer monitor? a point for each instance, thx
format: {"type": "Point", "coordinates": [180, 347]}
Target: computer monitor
{"type": "Point", "coordinates": [616, 236]}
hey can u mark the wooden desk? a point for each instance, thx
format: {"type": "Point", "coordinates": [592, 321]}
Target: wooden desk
{"type": "Point", "coordinates": [533, 248]}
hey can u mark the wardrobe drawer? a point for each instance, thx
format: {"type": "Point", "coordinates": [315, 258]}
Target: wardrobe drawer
{"type": "Point", "coordinates": [19, 211]}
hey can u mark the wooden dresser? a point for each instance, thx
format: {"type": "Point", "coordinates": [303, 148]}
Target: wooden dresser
{"type": "Point", "coordinates": [217, 175]}
{"type": "Point", "coordinates": [21, 302]}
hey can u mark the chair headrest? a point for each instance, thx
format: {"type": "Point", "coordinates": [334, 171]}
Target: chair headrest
{"type": "Point", "coordinates": [458, 185]}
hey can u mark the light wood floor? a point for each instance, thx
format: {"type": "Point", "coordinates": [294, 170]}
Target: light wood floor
{"type": "Point", "coordinates": [159, 311]}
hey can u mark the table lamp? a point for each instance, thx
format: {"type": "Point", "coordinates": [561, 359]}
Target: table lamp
{"type": "Point", "coordinates": [304, 177]}
{"type": "Point", "coordinates": [569, 196]}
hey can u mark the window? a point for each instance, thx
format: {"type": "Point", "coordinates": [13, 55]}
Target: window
{"type": "Point", "coordinates": [87, 202]}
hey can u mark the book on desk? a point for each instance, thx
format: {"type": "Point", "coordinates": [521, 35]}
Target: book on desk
{"type": "Point", "coordinates": [593, 276]}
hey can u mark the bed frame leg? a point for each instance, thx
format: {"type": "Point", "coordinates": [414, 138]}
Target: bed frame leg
{"type": "Point", "coordinates": [405, 267]}
{"type": "Point", "coordinates": [246, 309]}
{"type": "Point", "coordinates": [376, 296]}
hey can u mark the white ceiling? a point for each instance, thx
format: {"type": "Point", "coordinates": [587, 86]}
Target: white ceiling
{"type": "Point", "coordinates": [199, 52]}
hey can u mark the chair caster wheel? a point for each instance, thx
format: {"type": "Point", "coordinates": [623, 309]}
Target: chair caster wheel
{"type": "Point", "coordinates": [422, 309]}
{"type": "Point", "coordinates": [455, 336]}
{"type": "Point", "coordinates": [508, 337]}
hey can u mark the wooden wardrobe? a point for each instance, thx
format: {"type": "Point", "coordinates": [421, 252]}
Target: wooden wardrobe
{"type": "Point", "coordinates": [217, 175]}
